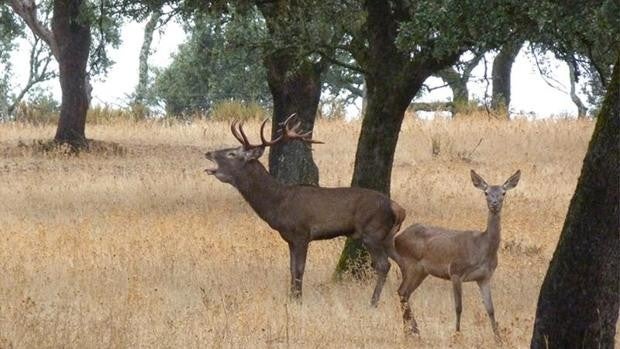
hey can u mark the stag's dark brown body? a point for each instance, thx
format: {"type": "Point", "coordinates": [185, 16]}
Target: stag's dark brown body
{"type": "Point", "coordinates": [302, 214]}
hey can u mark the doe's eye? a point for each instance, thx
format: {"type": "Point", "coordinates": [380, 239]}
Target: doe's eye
{"type": "Point", "coordinates": [486, 194]}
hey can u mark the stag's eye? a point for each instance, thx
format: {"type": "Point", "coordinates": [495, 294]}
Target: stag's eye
{"type": "Point", "coordinates": [230, 155]}
{"type": "Point", "coordinates": [486, 194]}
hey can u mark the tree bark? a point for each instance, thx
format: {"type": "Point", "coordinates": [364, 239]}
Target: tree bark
{"type": "Point", "coordinates": [502, 67]}
{"type": "Point", "coordinates": [295, 91]}
{"type": "Point", "coordinates": [145, 52]}
{"type": "Point", "coordinates": [579, 300]}
{"type": "Point", "coordinates": [72, 35]}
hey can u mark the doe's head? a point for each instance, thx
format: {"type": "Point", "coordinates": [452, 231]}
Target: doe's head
{"type": "Point", "coordinates": [495, 193]}
{"type": "Point", "coordinates": [231, 162]}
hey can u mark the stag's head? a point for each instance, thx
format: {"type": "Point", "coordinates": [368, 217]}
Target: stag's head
{"type": "Point", "coordinates": [495, 193]}
{"type": "Point", "coordinates": [232, 162]}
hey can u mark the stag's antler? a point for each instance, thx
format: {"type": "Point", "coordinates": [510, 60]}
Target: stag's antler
{"type": "Point", "coordinates": [288, 133]}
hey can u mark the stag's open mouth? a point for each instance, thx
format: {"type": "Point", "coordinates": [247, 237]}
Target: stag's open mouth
{"type": "Point", "coordinates": [211, 170]}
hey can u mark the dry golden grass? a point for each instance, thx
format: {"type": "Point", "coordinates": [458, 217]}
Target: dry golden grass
{"type": "Point", "coordinates": [143, 249]}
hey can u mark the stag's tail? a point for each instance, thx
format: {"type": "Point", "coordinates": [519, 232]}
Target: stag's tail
{"type": "Point", "coordinates": [399, 217]}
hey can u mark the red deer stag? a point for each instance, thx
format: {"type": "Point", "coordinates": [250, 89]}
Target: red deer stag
{"type": "Point", "coordinates": [458, 256]}
{"type": "Point", "coordinates": [302, 214]}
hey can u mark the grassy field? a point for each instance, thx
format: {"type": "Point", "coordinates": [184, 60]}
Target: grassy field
{"type": "Point", "coordinates": [143, 249]}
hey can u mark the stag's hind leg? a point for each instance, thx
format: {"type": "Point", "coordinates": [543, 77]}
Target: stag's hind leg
{"type": "Point", "coordinates": [381, 265]}
{"type": "Point", "coordinates": [412, 278]}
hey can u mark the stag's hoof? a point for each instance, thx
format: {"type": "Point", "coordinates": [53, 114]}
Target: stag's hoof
{"type": "Point", "coordinates": [295, 296]}
{"type": "Point", "coordinates": [411, 330]}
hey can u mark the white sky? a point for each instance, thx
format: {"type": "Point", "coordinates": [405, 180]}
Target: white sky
{"type": "Point", "coordinates": [529, 91]}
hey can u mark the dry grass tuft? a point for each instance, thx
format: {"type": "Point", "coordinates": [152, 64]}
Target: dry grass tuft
{"type": "Point", "coordinates": [144, 250]}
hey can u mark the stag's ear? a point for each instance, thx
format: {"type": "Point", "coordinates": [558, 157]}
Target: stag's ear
{"type": "Point", "coordinates": [512, 181]}
{"type": "Point", "coordinates": [253, 153]}
{"type": "Point", "coordinates": [478, 181]}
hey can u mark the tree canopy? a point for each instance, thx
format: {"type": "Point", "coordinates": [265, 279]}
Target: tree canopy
{"type": "Point", "coordinates": [212, 66]}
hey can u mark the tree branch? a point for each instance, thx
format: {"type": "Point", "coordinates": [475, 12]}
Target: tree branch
{"type": "Point", "coordinates": [38, 71]}
{"type": "Point", "coordinates": [335, 61]}
{"type": "Point", "coordinates": [27, 10]}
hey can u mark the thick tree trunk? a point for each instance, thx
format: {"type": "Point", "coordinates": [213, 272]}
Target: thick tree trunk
{"type": "Point", "coordinates": [579, 299]}
{"type": "Point", "coordinates": [145, 52]}
{"type": "Point", "coordinates": [72, 34]}
{"type": "Point", "coordinates": [502, 67]}
{"type": "Point", "coordinates": [387, 103]}
{"type": "Point", "coordinates": [377, 142]}
{"type": "Point", "coordinates": [295, 90]}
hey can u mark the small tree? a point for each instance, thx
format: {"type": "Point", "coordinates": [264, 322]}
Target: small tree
{"type": "Point", "coordinates": [69, 39]}
{"type": "Point", "coordinates": [502, 69]}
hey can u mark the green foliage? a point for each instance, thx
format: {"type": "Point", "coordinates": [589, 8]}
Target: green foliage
{"type": "Point", "coordinates": [106, 22]}
{"type": "Point", "coordinates": [584, 33]}
{"type": "Point", "coordinates": [4, 94]}
{"type": "Point", "coordinates": [40, 108]}
{"type": "Point", "coordinates": [213, 66]}
{"type": "Point", "coordinates": [10, 29]}
{"type": "Point", "coordinates": [43, 100]}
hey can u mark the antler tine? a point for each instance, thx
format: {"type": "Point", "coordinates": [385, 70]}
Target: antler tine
{"type": "Point", "coordinates": [290, 117]}
{"type": "Point", "coordinates": [291, 132]}
{"type": "Point", "coordinates": [294, 128]}
{"type": "Point", "coordinates": [233, 124]}
{"type": "Point", "coordinates": [265, 142]}
{"type": "Point", "coordinates": [305, 137]}
{"type": "Point", "coordinates": [246, 142]}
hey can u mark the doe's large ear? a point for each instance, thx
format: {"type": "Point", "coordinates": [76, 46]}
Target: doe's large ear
{"type": "Point", "coordinates": [478, 181]}
{"type": "Point", "coordinates": [512, 181]}
{"type": "Point", "coordinates": [253, 153]}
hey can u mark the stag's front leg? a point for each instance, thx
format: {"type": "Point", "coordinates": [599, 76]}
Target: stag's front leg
{"type": "Point", "coordinates": [298, 252]}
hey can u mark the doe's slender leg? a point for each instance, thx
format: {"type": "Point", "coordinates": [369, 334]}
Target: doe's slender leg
{"type": "Point", "coordinates": [485, 292]}
{"type": "Point", "coordinates": [458, 305]}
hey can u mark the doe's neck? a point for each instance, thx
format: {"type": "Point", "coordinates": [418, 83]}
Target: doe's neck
{"type": "Point", "coordinates": [494, 230]}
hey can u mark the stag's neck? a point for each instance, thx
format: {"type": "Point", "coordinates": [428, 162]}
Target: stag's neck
{"type": "Point", "coordinates": [263, 192]}
{"type": "Point", "coordinates": [494, 229]}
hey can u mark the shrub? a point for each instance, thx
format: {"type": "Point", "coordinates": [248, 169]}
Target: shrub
{"type": "Point", "coordinates": [232, 110]}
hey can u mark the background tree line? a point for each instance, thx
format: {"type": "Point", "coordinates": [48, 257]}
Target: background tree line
{"type": "Point", "coordinates": [286, 54]}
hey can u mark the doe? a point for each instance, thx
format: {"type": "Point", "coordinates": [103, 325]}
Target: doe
{"type": "Point", "coordinates": [302, 214]}
{"type": "Point", "coordinates": [458, 256]}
